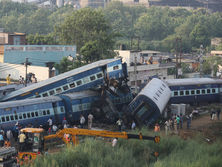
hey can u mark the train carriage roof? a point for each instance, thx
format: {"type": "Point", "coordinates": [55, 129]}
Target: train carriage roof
{"type": "Point", "coordinates": [29, 101]}
{"type": "Point", "coordinates": [76, 95]}
{"type": "Point", "coordinates": [192, 81]}
{"type": "Point", "coordinates": [60, 77]}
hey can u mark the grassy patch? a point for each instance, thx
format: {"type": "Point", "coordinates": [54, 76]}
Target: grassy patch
{"type": "Point", "coordinates": [174, 152]}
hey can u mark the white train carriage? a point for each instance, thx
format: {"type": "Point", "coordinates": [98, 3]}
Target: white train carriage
{"type": "Point", "coordinates": [149, 104]}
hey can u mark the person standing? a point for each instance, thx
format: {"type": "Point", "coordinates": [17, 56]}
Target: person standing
{"type": "Point", "coordinates": [90, 121]}
{"type": "Point", "coordinates": [50, 122]}
{"type": "Point", "coordinates": [8, 79]}
{"type": "Point", "coordinates": [167, 127]}
{"type": "Point", "coordinates": [218, 113]}
{"type": "Point", "coordinates": [175, 125]}
{"type": "Point", "coordinates": [1, 140]}
{"type": "Point", "coordinates": [188, 122]}
{"type": "Point", "coordinates": [178, 121]}
{"type": "Point", "coordinates": [119, 123]}
{"type": "Point", "coordinates": [64, 122]}
{"type": "Point", "coordinates": [181, 121]}
{"type": "Point", "coordinates": [22, 138]}
{"type": "Point", "coordinates": [156, 127]}
{"type": "Point", "coordinates": [133, 126]}
{"type": "Point", "coordinates": [82, 121]}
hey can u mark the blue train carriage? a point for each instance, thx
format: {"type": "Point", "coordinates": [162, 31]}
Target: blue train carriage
{"type": "Point", "coordinates": [31, 111]}
{"type": "Point", "coordinates": [78, 103]}
{"type": "Point", "coordinates": [195, 90]}
{"type": "Point", "coordinates": [149, 104]}
{"type": "Point", "coordinates": [83, 78]}
{"type": "Point", "coordinates": [38, 111]}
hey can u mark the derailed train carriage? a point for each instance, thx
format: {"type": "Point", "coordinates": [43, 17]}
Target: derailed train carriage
{"type": "Point", "coordinates": [86, 77]}
{"type": "Point", "coordinates": [37, 111]}
{"type": "Point", "coordinates": [150, 103]}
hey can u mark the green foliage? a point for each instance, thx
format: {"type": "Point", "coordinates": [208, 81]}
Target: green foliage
{"type": "Point", "coordinates": [64, 65]}
{"type": "Point", "coordinates": [38, 39]}
{"type": "Point", "coordinates": [155, 28]}
{"type": "Point", "coordinates": [173, 151]}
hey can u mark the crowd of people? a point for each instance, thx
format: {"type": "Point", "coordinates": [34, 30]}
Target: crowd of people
{"type": "Point", "coordinates": [31, 78]}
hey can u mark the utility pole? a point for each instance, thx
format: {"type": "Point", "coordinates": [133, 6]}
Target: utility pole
{"type": "Point", "coordinates": [135, 71]}
{"type": "Point", "coordinates": [26, 68]}
{"type": "Point", "coordinates": [201, 61]}
{"type": "Point", "coordinates": [178, 51]}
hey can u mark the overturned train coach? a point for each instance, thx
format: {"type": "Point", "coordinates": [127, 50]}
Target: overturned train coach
{"type": "Point", "coordinates": [149, 104]}
{"type": "Point", "coordinates": [37, 111]}
{"type": "Point", "coordinates": [86, 77]}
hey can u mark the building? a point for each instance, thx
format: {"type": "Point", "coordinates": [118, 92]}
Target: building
{"type": "Point", "coordinates": [145, 65]}
{"type": "Point", "coordinates": [134, 2]}
{"type": "Point", "coordinates": [143, 57]}
{"type": "Point", "coordinates": [216, 53]}
{"type": "Point", "coordinates": [144, 73]}
{"type": "Point", "coordinates": [92, 3]}
{"type": "Point", "coordinates": [12, 38]}
{"type": "Point", "coordinates": [38, 55]}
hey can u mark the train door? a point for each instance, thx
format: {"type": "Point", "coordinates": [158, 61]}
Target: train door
{"type": "Point", "coordinates": [55, 109]}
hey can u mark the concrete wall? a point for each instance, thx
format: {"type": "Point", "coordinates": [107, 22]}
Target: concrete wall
{"type": "Point", "coordinates": [41, 73]}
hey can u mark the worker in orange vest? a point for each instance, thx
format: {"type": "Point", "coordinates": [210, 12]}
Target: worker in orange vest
{"type": "Point", "coordinates": [157, 127]}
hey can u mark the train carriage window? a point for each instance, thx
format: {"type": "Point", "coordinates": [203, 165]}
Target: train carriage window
{"type": "Point", "coordinates": [37, 96]}
{"type": "Point", "coordinates": [28, 115]}
{"type": "Point", "coordinates": [203, 91]}
{"type": "Point", "coordinates": [62, 109]}
{"type": "Point", "coordinates": [40, 113]}
{"type": "Point", "coordinates": [24, 115]}
{"type": "Point", "coordinates": [159, 91]}
{"type": "Point", "coordinates": [45, 94]}
{"type": "Point", "coordinates": [48, 112]}
{"type": "Point", "coordinates": [86, 80]}
{"type": "Point", "coordinates": [20, 116]}
{"type": "Point", "coordinates": [92, 78]}
{"type": "Point", "coordinates": [198, 92]}
{"type": "Point", "coordinates": [58, 90]}
{"type": "Point", "coordinates": [187, 92]}
{"type": "Point", "coordinates": [3, 119]}
{"type": "Point", "coordinates": [213, 91]}
{"type": "Point", "coordinates": [32, 114]}
{"type": "Point", "coordinates": [163, 85]}
{"type": "Point", "coordinates": [208, 90]}
{"type": "Point", "coordinates": [155, 98]}
{"type": "Point", "coordinates": [181, 93]}
{"type": "Point", "coordinates": [36, 114]}
{"type": "Point", "coordinates": [51, 92]}
{"type": "Point", "coordinates": [100, 75]}
{"type": "Point", "coordinates": [12, 117]}
{"type": "Point", "coordinates": [175, 93]}
{"type": "Point", "coordinates": [115, 67]}
{"type": "Point", "coordinates": [65, 87]}
{"type": "Point", "coordinates": [79, 82]}
{"type": "Point", "coordinates": [16, 117]}
{"type": "Point", "coordinates": [72, 85]}
{"type": "Point", "coordinates": [192, 92]}
{"type": "Point", "coordinates": [7, 118]}
{"type": "Point", "coordinates": [44, 112]}
{"type": "Point", "coordinates": [161, 88]}
{"type": "Point", "coordinates": [157, 94]}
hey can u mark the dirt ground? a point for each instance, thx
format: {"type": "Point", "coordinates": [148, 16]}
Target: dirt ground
{"type": "Point", "coordinates": [210, 129]}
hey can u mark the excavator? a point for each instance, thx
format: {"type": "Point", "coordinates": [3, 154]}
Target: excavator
{"type": "Point", "coordinates": [36, 139]}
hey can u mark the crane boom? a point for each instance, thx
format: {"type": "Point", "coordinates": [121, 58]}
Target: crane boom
{"type": "Point", "coordinates": [101, 133]}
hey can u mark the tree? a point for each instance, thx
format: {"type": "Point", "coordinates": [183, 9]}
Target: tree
{"type": "Point", "coordinates": [64, 65]}
{"type": "Point", "coordinates": [90, 52]}
{"type": "Point", "coordinates": [86, 25]}
{"type": "Point", "coordinates": [38, 39]}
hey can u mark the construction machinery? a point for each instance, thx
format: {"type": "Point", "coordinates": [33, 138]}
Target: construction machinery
{"type": "Point", "coordinates": [36, 139]}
